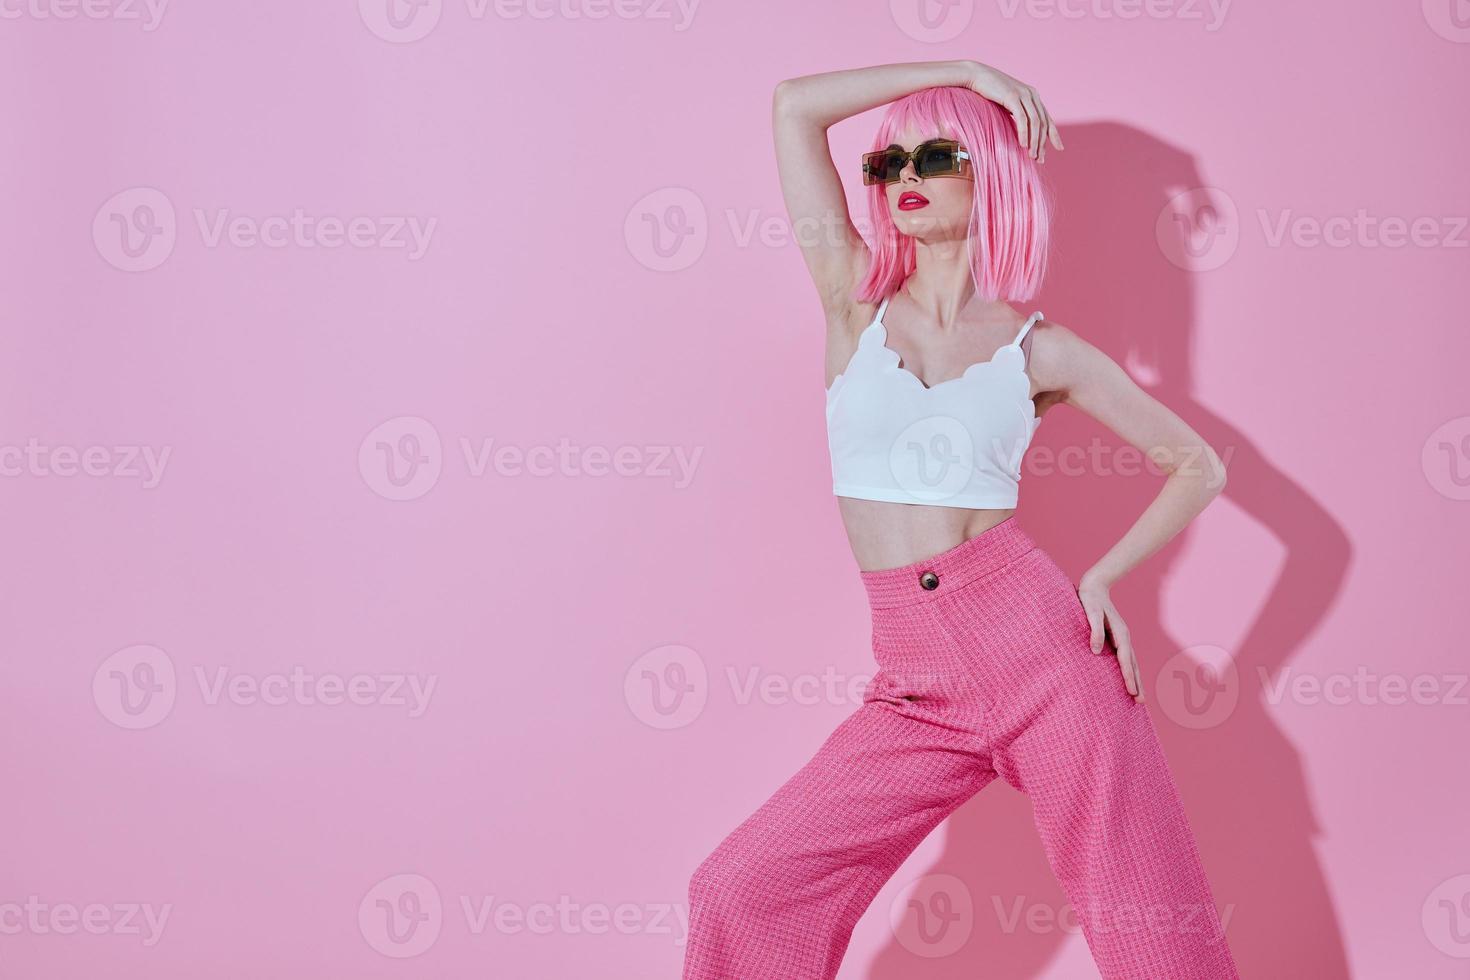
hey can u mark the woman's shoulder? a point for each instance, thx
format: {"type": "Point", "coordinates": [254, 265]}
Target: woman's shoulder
{"type": "Point", "coordinates": [1060, 357]}
{"type": "Point", "coordinates": [1053, 353]}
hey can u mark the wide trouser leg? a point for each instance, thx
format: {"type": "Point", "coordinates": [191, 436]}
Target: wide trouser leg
{"type": "Point", "coordinates": [1113, 825]}
{"type": "Point", "coordinates": [778, 898]}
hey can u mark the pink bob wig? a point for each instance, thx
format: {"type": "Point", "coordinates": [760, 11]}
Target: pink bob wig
{"type": "Point", "coordinates": [1010, 226]}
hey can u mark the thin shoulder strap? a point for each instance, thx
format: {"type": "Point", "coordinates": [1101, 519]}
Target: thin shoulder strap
{"type": "Point", "coordinates": [882, 308]}
{"type": "Point", "coordinates": [1033, 318]}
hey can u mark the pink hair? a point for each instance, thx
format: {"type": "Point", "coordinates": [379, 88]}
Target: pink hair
{"type": "Point", "coordinates": [1011, 220]}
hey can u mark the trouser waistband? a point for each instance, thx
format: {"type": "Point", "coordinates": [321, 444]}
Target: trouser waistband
{"type": "Point", "coordinates": [940, 574]}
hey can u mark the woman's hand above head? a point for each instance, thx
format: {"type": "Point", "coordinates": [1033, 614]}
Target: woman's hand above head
{"type": "Point", "coordinates": [802, 110]}
{"type": "Point", "coordinates": [1034, 125]}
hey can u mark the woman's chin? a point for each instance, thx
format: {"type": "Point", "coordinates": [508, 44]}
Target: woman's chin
{"type": "Point", "coordinates": [929, 225]}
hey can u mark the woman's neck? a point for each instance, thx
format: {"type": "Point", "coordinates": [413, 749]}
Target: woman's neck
{"type": "Point", "coordinates": [943, 286]}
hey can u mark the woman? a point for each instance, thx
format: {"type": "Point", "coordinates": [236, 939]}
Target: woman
{"type": "Point", "coordinates": [991, 662]}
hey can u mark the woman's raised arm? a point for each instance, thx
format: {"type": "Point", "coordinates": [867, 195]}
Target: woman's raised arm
{"type": "Point", "coordinates": [803, 108]}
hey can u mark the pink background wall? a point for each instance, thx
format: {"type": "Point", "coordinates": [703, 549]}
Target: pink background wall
{"type": "Point", "coordinates": [301, 677]}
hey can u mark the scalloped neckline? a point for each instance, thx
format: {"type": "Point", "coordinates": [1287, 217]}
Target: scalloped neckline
{"type": "Point", "coordinates": [898, 364]}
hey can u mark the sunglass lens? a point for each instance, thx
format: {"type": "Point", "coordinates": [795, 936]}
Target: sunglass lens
{"type": "Point", "coordinates": [883, 167]}
{"type": "Point", "coordinates": [938, 158]}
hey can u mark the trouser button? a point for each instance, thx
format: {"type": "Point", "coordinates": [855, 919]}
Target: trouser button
{"type": "Point", "coordinates": [929, 581]}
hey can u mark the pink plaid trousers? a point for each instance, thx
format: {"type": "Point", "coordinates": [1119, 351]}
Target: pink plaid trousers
{"type": "Point", "coordinates": [987, 673]}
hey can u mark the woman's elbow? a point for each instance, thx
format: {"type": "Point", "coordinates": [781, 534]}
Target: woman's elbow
{"type": "Point", "coordinates": [784, 97]}
{"type": "Point", "coordinates": [1214, 470]}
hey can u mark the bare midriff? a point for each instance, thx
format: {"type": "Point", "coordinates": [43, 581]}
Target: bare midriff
{"type": "Point", "coordinates": [886, 535]}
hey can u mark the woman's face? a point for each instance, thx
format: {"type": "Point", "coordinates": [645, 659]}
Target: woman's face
{"type": "Point", "coordinates": [930, 209]}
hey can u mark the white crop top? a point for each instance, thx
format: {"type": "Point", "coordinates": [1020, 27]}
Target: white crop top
{"type": "Point", "coordinates": [957, 444]}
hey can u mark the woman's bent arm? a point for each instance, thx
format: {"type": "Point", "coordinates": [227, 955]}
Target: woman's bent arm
{"type": "Point", "coordinates": [802, 109]}
{"type": "Point", "coordinates": [1094, 383]}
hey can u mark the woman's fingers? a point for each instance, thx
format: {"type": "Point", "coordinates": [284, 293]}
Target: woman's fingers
{"type": "Point", "coordinates": [1048, 129]}
{"type": "Point", "coordinates": [1023, 120]}
{"type": "Point", "coordinates": [1109, 633]}
{"type": "Point", "coordinates": [1137, 673]}
{"type": "Point", "coordinates": [1044, 129]}
{"type": "Point", "coordinates": [1095, 623]}
{"type": "Point", "coordinates": [1042, 125]}
{"type": "Point", "coordinates": [1127, 660]}
{"type": "Point", "coordinates": [1132, 679]}
{"type": "Point", "coordinates": [1034, 125]}
{"type": "Point", "coordinates": [1033, 116]}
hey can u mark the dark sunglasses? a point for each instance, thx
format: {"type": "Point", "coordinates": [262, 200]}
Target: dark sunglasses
{"type": "Point", "coordinates": [935, 158]}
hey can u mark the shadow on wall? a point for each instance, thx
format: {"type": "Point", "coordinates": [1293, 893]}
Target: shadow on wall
{"type": "Point", "coordinates": [1241, 780]}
